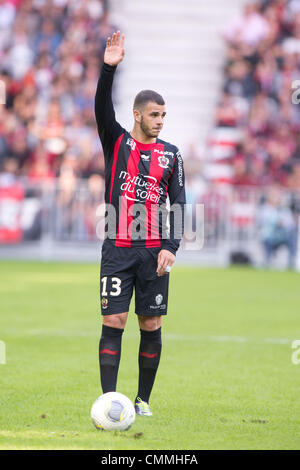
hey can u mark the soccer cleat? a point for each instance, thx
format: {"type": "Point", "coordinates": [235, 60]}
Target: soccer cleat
{"type": "Point", "coordinates": [142, 408]}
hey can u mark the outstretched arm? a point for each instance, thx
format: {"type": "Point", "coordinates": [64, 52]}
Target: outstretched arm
{"type": "Point", "coordinates": [108, 127]}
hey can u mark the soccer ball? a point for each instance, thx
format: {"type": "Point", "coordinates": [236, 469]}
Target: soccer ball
{"type": "Point", "coordinates": [113, 411]}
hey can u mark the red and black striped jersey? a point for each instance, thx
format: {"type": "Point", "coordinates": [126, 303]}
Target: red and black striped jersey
{"type": "Point", "coordinates": [138, 179]}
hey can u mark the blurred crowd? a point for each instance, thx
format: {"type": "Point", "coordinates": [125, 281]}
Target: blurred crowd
{"type": "Point", "coordinates": [257, 138]}
{"type": "Point", "coordinates": [50, 58]}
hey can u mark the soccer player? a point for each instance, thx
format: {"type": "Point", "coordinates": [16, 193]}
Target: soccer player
{"type": "Point", "coordinates": [141, 170]}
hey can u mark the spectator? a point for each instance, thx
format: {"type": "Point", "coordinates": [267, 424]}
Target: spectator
{"type": "Point", "coordinates": [240, 81]}
{"type": "Point", "coordinates": [249, 28]}
{"type": "Point", "coordinates": [277, 227]}
{"type": "Point", "coordinates": [7, 14]}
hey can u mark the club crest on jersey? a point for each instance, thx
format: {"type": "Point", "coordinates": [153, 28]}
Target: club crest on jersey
{"type": "Point", "coordinates": [131, 143]}
{"type": "Point", "coordinates": [163, 161]}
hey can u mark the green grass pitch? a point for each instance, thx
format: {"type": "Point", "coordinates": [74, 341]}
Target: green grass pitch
{"type": "Point", "coordinates": [226, 378]}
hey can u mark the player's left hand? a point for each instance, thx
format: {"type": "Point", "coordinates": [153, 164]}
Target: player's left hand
{"type": "Point", "coordinates": [114, 51]}
{"type": "Point", "coordinates": [165, 258]}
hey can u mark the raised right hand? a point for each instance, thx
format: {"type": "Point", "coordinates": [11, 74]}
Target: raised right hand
{"type": "Point", "coordinates": [114, 51]}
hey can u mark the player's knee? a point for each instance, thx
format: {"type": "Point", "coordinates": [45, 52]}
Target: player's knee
{"type": "Point", "coordinates": [116, 320]}
{"type": "Point", "coordinates": [149, 323]}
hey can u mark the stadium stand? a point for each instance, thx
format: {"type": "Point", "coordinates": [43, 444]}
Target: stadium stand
{"type": "Point", "coordinates": [50, 57]}
{"type": "Point", "coordinates": [256, 133]}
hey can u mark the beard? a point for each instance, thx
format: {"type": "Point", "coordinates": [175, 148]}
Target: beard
{"type": "Point", "coordinates": [146, 129]}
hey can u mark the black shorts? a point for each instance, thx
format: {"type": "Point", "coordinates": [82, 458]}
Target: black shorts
{"type": "Point", "coordinates": [123, 269]}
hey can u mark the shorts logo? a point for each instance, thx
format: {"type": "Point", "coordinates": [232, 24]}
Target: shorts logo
{"type": "Point", "coordinates": [104, 302]}
{"type": "Point", "coordinates": [159, 305]}
{"type": "Point", "coordinates": [163, 162]}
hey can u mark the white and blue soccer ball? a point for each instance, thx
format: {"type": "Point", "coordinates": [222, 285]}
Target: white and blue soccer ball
{"type": "Point", "coordinates": [113, 411]}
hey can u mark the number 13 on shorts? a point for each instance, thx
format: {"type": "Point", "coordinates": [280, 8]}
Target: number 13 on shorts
{"type": "Point", "coordinates": [115, 289]}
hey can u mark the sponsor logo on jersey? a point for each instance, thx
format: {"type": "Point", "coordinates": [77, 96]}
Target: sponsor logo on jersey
{"type": "Point", "coordinates": [140, 188]}
{"type": "Point", "coordinates": [171, 154]}
{"type": "Point", "coordinates": [131, 143]}
{"type": "Point", "coordinates": [161, 152]}
{"type": "Point", "coordinates": [145, 157]}
{"type": "Point", "coordinates": [163, 161]}
{"type": "Point", "coordinates": [180, 168]}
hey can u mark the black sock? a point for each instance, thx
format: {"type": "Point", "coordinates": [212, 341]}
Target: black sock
{"type": "Point", "coordinates": [149, 356]}
{"type": "Point", "coordinates": [109, 357]}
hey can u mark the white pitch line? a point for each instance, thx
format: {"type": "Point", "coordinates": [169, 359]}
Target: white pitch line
{"type": "Point", "coordinates": [167, 336]}
{"type": "Point", "coordinates": [229, 339]}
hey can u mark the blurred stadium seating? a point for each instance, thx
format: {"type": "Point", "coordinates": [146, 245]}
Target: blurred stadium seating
{"type": "Point", "coordinates": [50, 56]}
{"type": "Point", "coordinates": [237, 126]}
{"type": "Point", "coordinates": [257, 125]}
